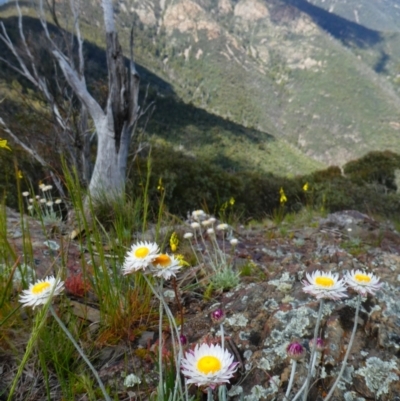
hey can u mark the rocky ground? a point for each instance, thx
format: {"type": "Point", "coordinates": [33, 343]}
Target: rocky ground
{"type": "Point", "coordinates": [268, 310]}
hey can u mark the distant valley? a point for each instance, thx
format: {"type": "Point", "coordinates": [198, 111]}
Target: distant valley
{"type": "Point", "coordinates": [283, 86]}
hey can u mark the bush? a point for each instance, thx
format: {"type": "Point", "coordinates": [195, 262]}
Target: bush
{"type": "Point", "coordinates": [374, 168]}
{"type": "Point", "coordinates": [191, 183]}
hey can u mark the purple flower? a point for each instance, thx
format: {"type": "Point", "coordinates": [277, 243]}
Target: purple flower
{"type": "Point", "coordinates": [319, 344]}
{"type": "Point", "coordinates": [295, 350]}
{"type": "Point", "coordinates": [183, 340]}
{"type": "Point", "coordinates": [218, 316]}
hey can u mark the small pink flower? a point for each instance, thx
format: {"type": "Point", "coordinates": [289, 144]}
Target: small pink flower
{"type": "Point", "coordinates": [218, 316]}
{"type": "Point", "coordinates": [295, 351]}
{"type": "Point", "coordinates": [320, 345]}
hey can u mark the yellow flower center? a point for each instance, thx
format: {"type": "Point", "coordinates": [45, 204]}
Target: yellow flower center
{"type": "Point", "coordinates": [162, 260]}
{"type": "Point", "coordinates": [363, 278]}
{"type": "Point", "coordinates": [209, 364]}
{"type": "Point", "coordinates": [142, 252]}
{"type": "Point", "coordinates": [40, 287]}
{"type": "Point", "coordinates": [324, 281]}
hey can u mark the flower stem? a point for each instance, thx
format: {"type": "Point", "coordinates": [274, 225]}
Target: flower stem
{"type": "Point", "coordinates": [292, 373]}
{"type": "Point", "coordinates": [222, 336]}
{"type": "Point", "coordinates": [299, 392]}
{"type": "Point", "coordinates": [160, 345]}
{"type": "Point", "coordinates": [313, 351]}
{"type": "Point", "coordinates": [210, 394]}
{"type": "Point", "coordinates": [222, 393]}
{"type": "Point", "coordinates": [304, 385]}
{"type": "Point", "coordinates": [353, 333]}
{"type": "Point", "coordinates": [174, 335]}
{"type": "Point", "coordinates": [78, 348]}
{"type": "Point", "coordinates": [178, 302]}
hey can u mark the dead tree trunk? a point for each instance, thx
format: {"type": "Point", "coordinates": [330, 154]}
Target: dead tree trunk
{"type": "Point", "coordinates": [115, 124]}
{"type": "Point", "coordinates": [109, 173]}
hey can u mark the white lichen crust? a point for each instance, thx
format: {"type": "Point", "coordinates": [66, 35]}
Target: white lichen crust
{"type": "Point", "coordinates": [378, 375]}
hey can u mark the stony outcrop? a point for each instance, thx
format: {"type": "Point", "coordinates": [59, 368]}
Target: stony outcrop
{"type": "Point", "coordinates": [264, 317]}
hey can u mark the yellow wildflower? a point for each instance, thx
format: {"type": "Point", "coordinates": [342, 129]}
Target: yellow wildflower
{"type": "Point", "coordinates": [174, 242]}
{"type": "Point", "coordinates": [160, 186]}
{"type": "Point", "coordinates": [305, 187]}
{"type": "Point", "coordinates": [3, 144]}
{"type": "Point", "coordinates": [181, 260]}
{"type": "Point", "coordinates": [283, 198]}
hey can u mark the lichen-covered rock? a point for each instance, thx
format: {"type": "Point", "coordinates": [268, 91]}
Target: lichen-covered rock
{"type": "Point", "coordinates": [263, 317]}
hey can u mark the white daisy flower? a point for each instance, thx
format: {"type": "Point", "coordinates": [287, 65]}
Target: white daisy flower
{"type": "Point", "coordinates": [208, 365]}
{"type": "Point", "coordinates": [206, 223]}
{"type": "Point", "coordinates": [198, 214]}
{"type": "Point", "coordinates": [222, 226]}
{"type": "Point", "coordinates": [57, 201]}
{"type": "Point", "coordinates": [40, 292]}
{"type": "Point", "coordinates": [131, 380]}
{"type": "Point", "coordinates": [140, 256]}
{"type": "Point", "coordinates": [234, 241]}
{"type": "Point", "coordinates": [325, 285]}
{"type": "Point", "coordinates": [49, 203]}
{"type": "Point", "coordinates": [188, 235]}
{"type": "Point", "coordinates": [195, 225]}
{"type": "Point", "coordinates": [210, 231]}
{"type": "Point", "coordinates": [363, 282]}
{"type": "Point", "coordinates": [165, 266]}
{"type": "Point", "coordinates": [25, 194]}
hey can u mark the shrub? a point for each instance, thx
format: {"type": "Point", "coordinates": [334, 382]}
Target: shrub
{"type": "Point", "coordinates": [374, 168]}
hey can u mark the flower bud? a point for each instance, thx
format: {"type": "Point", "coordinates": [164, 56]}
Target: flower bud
{"type": "Point", "coordinates": [295, 351]}
{"type": "Point", "coordinates": [222, 226]}
{"type": "Point", "coordinates": [198, 214]}
{"type": "Point", "coordinates": [183, 340]}
{"type": "Point", "coordinates": [319, 344]}
{"type": "Point", "coordinates": [218, 316]}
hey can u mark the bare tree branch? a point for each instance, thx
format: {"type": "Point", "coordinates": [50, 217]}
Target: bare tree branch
{"type": "Point", "coordinates": [35, 155]}
{"type": "Point", "coordinates": [75, 13]}
{"type": "Point", "coordinates": [79, 87]}
{"type": "Point", "coordinates": [29, 150]}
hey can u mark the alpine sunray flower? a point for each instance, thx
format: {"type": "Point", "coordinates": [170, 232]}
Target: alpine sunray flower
{"type": "Point", "coordinates": [208, 365]}
{"type": "Point", "coordinates": [140, 256]}
{"type": "Point", "coordinates": [165, 266]}
{"type": "Point", "coordinates": [325, 285]}
{"type": "Point", "coordinates": [40, 292]}
{"type": "Point", "coordinates": [363, 282]}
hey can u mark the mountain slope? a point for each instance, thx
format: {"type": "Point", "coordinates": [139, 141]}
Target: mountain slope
{"type": "Point", "coordinates": [382, 15]}
{"type": "Point", "coordinates": [281, 76]}
{"type": "Point", "coordinates": [279, 66]}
